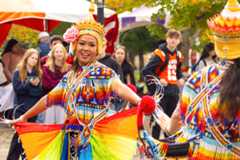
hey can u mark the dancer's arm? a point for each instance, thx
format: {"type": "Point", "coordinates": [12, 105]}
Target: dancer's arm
{"type": "Point", "coordinates": [39, 107]}
{"type": "Point", "coordinates": [125, 92]}
{"type": "Point", "coordinates": [6, 62]}
{"type": "Point", "coordinates": [175, 122]}
{"type": "Point", "coordinates": [52, 98]}
{"type": "Point", "coordinates": [167, 124]}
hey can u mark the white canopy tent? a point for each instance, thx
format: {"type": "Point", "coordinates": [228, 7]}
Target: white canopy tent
{"type": "Point", "coordinates": [61, 10]}
{"type": "Point", "coordinates": [137, 17]}
{"type": "Point", "coordinates": [33, 13]}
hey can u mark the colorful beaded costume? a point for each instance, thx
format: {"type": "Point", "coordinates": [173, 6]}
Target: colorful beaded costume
{"type": "Point", "coordinates": [86, 134]}
{"type": "Point", "coordinates": [197, 121]}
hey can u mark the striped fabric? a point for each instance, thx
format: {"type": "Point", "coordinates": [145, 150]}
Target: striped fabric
{"type": "Point", "coordinates": [207, 147]}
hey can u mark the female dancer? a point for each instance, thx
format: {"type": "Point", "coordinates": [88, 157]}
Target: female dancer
{"type": "Point", "coordinates": [84, 92]}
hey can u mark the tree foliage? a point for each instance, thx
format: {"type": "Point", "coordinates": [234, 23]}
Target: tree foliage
{"type": "Point", "coordinates": [23, 34]}
{"type": "Point", "coordinates": [30, 36]}
{"type": "Point", "coordinates": [138, 40]}
{"type": "Point", "coordinates": [188, 16]}
{"type": "Point", "coordinates": [127, 5]}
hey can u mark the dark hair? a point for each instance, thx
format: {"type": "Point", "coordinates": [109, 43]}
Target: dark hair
{"type": "Point", "coordinates": [120, 47]}
{"type": "Point", "coordinates": [75, 64]}
{"type": "Point", "coordinates": [9, 45]}
{"type": "Point", "coordinates": [56, 38]}
{"type": "Point", "coordinates": [207, 48]}
{"type": "Point", "coordinates": [229, 91]}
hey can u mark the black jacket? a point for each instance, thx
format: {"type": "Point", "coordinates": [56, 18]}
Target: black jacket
{"type": "Point", "coordinates": [111, 63]}
{"type": "Point", "coordinates": [26, 95]}
{"type": "Point", "coordinates": [154, 63]}
{"type": "Point", "coordinates": [128, 69]}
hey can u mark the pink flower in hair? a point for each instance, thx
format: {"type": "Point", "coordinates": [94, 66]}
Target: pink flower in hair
{"type": "Point", "coordinates": [71, 34]}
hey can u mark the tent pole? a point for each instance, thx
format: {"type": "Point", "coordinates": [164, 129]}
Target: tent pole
{"type": "Point", "coordinates": [100, 11]}
{"type": "Point", "coordinates": [45, 25]}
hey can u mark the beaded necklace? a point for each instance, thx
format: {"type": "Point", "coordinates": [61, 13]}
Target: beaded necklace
{"type": "Point", "coordinates": [72, 101]}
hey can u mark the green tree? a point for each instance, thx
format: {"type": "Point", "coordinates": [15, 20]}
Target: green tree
{"type": "Point", "coordinates": [138, 41]}
{"type": "Point", "coordinates": [127, 5]}
{"type": "Point", "coordinates": [189, 16]}
{"type": "Point", "coordinates": [60, 30]}
{"type": "Point", "coordinates": [25, 35]}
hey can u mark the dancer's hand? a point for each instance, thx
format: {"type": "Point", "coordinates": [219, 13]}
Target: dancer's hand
{"type": "Point", "coordinates": [150, 146]}
{"type": "Point", "coordinates": [180, 82]}
{"type": "Point", "coordinates": [163, 82]}
{"type": "Point", "coordinates": [12, 122]}
{"type": "Point", "coordinates": [20, 119]}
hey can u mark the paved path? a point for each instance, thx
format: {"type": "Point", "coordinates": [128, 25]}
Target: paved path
{"type": "Point", "coordinates": [5, 138]}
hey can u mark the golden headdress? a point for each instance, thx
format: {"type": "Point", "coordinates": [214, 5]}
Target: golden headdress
{"type": "Point", "coordinates": [89, 26]}
{"type": "Point", "coordinates": [226, 31]}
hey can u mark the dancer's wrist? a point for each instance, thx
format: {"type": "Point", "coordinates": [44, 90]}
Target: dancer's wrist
{"type": "Point", "coordinates": [23, 118]}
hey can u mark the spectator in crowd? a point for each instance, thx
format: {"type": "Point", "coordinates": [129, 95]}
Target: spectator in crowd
{"type": "Point", "coordinates": [43, 44]}
{"type": "Point", "coordinates": [127, 69]}
{"type": "Point", "coordinates": [28, 90]}
{"type": "Point", "coordinates": [3, 79]}
{"type": "Point", "coordinates": [193, 57]}
{"type": "Point", "coordinates": [53, 71]}
{"type": "Point", "coordinates": [55, 67]}
{"type": "Point", "coordinates": [165, 64]}
{"type": "Point", "coordinates": [55, 39]}
{"type": "Point", "coordinates": [208, 57]}
{"type": "Point", "coordinates": [3, 83]}
{"type": "Point", "coordinates": [11, 55]}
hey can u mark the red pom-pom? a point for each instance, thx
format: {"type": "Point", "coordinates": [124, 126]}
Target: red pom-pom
{"type": "Point", "coordinates": [147, 105]}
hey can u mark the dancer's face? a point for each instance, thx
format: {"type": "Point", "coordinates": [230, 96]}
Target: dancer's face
{"type": "Point", "coordinates": [86, 49]}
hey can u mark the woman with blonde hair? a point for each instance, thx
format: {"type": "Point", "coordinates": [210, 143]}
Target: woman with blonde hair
{"type": "Point", "coordinates": [55, 67]}
{"type": "Point", "coordinates": [53, 71]}
{"type": "Point", "coordinates": [28, 90]}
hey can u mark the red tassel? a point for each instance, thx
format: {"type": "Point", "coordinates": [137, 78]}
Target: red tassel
{"type": "Point", "coordinates": [147, 107]}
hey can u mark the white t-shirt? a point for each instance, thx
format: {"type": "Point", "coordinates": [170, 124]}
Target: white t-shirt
{"type": "Point", "coordinates": [204, 63]}
{"type": "Point", "coordinates": [2, 75]}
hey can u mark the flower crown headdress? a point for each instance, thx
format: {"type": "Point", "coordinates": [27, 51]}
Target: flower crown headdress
{"type": "Point", "coordinates": [89, 26]}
